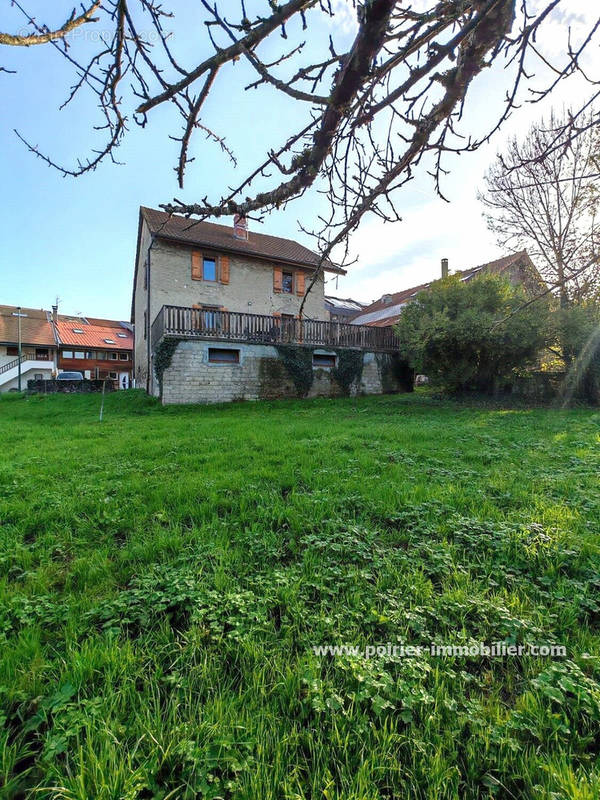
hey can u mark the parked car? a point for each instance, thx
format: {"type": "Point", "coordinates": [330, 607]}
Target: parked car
{"type": "Point", "coordinates": [69, 376]}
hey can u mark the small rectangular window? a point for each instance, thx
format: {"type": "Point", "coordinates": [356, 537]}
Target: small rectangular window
{"type": "Point", "coordinates": [67, 354]}
{"type": "Point", "coordinates": [222, 355]}
{"type": "Point", "coordinates": [122, 335]}
{"type": "Point", "coordinates": [42, 354]}
{"type": "Point", "coordinates": [209, 269]}
{"type": "Point", "coordinates": [77, 330]}
{"type": "Point", "coordinates": [323, 360]}
{"type": "Point", "coordinates": [113, 356]}
{"type": "Point", "coordinates": [12, 351]}
{"type": "Point", "coordinates": [123, 357]}
{"type": "Point", "coordinates": [112, 375]}
{"type": "Point", "coordinates": [287, 282]}
{"type": "Point", "coordinates": [79, 354]}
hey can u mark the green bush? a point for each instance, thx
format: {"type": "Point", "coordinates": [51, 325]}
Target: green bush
{"type": "Point", "coordinates": [577, 333]}
{"type": "Point", "coordinates": [471, 336]}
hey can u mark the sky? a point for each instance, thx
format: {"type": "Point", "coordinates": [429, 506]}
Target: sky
{"type": "Point", "coordinates": [75, 239]}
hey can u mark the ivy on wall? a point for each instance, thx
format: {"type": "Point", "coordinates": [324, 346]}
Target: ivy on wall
{"type": "Point", "coordinates": [348, 369]}
{"type": "Point", "coordinates": [298, 362]}
{"type": "Point", "coordinates": [162, 358]}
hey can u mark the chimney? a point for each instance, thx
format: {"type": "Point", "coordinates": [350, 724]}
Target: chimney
{"type": "Point", "coordinates": [55, 314]}
{"type": "Point", "coordinates": [240, 227]}
{"type": "Point", "coordinates": [444, 268]}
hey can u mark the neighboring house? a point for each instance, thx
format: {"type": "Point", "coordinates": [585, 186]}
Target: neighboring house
{"type": "Point", "coordinates": [38, 346]}
{"type": "Point", "coordinates": [518, 268]}
{"type": "Point", "coordinates": [342, 310]}
{"type": "Point", "coordinates": [216, 309]}
{"type": "Point", "coordinates": [99, 348]}
{"type": "Point", "coordinates": [217, 268]}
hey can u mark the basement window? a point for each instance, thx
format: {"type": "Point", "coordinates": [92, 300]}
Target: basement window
{"type": "Point", "coordinates": [323, 360]}
{"type": "Point", "coordinates": [222, 355]}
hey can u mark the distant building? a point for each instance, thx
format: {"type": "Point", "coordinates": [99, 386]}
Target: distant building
{"type": "Point", "coordinates": [518, 268]}
{"type": "Point", "coordinates": [99, 348]}
{"type": "Point", "coordinates": [53, 343]}
{"type": "Point", "coordinates": [38, 346]}
{"type": "Point", "coordinates": [342, 310]}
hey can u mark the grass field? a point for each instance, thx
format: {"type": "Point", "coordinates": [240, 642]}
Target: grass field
{"type": "Point", "coordinates": [166, 573]}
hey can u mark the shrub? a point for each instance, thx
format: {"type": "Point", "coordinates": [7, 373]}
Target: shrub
{"type": "Point", "coordinates": [470, 336]}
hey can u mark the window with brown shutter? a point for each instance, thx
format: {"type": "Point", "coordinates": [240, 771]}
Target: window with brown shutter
{"type": "Point", "coordinates": [196, 265]}
{"type": "Point", "coordinates": [277, 279]}
{"type": "Point", "coordinates": [300, 278]}
{"type": "Point", "coordinates": [224, 265]}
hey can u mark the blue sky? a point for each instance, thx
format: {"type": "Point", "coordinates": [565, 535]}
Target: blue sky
{"type": "Point", "coordinates": [75, 238]}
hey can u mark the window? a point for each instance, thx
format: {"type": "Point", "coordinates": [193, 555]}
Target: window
{"type": "Point", "coordinates": [122, 335]}
{"type": "Point", "coordinates": [110, 341]}
{"type": "Point", "coordinates": [123, 357]}
{"type": "Point", "coordinates": [222, 355]}
{"type": "Point", "coordinates": [37, 376]}
{"type": "Point", "coordinates": [113, 356]}
{"type": "Point", "coordinates": [77, 330]}
{"type": "Point", "coordinates": [209, 269]}
{"type": "Point", "coordinates": [112, 375]}
{"type": "Point", "coordinates": [12, 351]}
{"type": "Point", "coordinates": [89, 354]}
{"type": "Point", "coordinates": [79, 354]}
{"type": "Point", "coordinates": [287, 282]}
{"type": "Point", "coordinates": [67, 354]}
{"type": "Point", "coordinates": [323, 360]}
{"type": "Point", "coordinates": [42, 353]}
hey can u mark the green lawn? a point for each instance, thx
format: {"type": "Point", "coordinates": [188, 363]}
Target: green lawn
{"type": "Point", "coordinates": [166, 573]}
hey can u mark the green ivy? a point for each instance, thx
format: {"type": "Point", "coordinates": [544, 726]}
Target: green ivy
{"type": "Point", "coordinates": [298, 362]}
{"type": "Point", "coordinates": [162, 358]}
{"type": "Point", "coordinates": [394, 372]}
{"type": "Point", "coordinates": [348, 369]}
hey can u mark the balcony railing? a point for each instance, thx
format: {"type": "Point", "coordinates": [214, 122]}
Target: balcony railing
{"type": "Point", "coordinates": [234, 326]}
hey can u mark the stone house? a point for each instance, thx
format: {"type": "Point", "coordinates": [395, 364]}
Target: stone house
{"type": "Point", "coordinates": [214, 308]}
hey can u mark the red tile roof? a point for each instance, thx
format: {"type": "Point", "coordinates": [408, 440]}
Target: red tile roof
{"type": "Point", "coordinates": [220, 237]}
{"type": "Point", "coordinates": [35, 327]}
{"type": "Point", "coordinates": [93, 335]}
{"type": "Point", "coordinates": [387, 310]}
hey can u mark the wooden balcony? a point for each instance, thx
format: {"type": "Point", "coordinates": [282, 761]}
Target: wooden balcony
{"type": "Point", "coordinates": [234, 326]}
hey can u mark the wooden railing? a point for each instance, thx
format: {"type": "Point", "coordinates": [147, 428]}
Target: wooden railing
{"type": "Point", "coordinates": [234, 326]}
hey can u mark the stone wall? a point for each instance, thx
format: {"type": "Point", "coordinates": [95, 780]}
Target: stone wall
{"type": "Point", "coordinates": [262, 375]}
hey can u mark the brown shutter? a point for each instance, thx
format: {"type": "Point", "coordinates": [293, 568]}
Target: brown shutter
{"type": "Point", "coordinates": [196, 265]}
{"type": "Point", "coordinates": [277, 279]}
{"type": "Point", "coordinates": [224, 268]}
{"type": "Point", "coordinates": [300, 276]}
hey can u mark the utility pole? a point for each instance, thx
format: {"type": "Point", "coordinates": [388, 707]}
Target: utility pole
{"type": "Point", "coordinates": [19, 348]}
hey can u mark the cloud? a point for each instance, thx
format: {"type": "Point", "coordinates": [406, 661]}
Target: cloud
{"type": "Point", "coordinates": [395, 256]}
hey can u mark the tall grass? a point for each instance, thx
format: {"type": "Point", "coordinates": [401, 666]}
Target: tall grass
{"type": "Point", "coordinates": [165, 573]}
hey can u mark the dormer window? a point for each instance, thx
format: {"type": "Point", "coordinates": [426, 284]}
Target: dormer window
{"type": "Point", "coordinates": [386, 299]}
{"type": "Point", "coordinates": [110, 341]}
{"type": "Point", "coordinates": [122, 335]}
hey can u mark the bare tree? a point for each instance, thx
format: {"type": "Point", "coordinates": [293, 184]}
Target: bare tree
{"type": "Point", "coordinates": [540, 195]}
{"type": "Point", "coordinates": [374, 111]}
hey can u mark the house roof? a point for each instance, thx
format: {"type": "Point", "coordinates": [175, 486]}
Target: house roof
{"type": "Point", "coordinates": [346, 305]}
{"type": "Point", "coordinates": [107, 337]}
{"type": "Point", "coordinates": [386, 311]}
{"type": "Point", "coordinates": [209, 234]}
{"type": "Point", "coordinates": [35, 327]}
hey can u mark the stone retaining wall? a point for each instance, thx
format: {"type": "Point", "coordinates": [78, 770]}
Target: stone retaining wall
{"type": "Point", "coordinates": [262, 375]}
